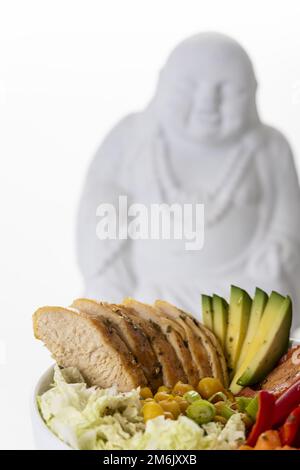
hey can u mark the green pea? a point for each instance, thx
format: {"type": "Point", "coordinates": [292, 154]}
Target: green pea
{"type": "Point", "coordinates": [242, 403]}
{"type": "Point", "coordinates": [201, 411]}
{"type": "Point", "coordinates": [191, 396]}
{"type": "Point", "coordinates": [252, 408]}
{"type": "Point", "coordinates": [224, 410]}
{"type": "Point", "coordinates": [219, 396]}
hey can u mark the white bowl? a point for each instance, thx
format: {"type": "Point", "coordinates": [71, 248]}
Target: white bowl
{"type": "Point", "coordinates": [44, 438]}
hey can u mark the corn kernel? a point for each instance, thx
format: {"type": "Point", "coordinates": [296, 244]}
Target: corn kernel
{"type": "Point", "coordinates": [180, 388]}
{"type": "Point", "coordinates": [183, 404]}
{"type": "Point", "coordinates": [151, 410]}
{"type": "Point", "coordinates": [172, 406]}
{"type": "Point", "coordinates": [146, 393]}
{"type": "Point", "coordinates": [208, 386]}
{"type": "Point", "coordinates": [163, 388]}
{"type": "Point", "coordinates": [162, 396]}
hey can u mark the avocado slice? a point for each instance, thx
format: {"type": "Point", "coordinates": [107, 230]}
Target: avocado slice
{"type": "Point", "coordinates": [207, 311]}
{"type": "Point", "coordinates": [272, 343]}
{"type": "Point", "coordinates": [238, 319]}
{"type": "Point", "coordinates": [268, 326]}
{"type": "Point", "coordinates": [258, 306]}
{"type": "Point", "coordinates": [220, 318]}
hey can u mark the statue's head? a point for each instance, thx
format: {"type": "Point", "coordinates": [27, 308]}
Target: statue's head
{"type": "Point", "coordinates": [206, 91]}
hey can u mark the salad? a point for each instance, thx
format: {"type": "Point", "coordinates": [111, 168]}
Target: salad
{"type": "Point", "coordinates": [90, 418]}
{"type": "Point", "coordinates": [138, 376]}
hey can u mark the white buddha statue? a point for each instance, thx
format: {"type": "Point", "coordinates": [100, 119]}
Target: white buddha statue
{"type": "Point", "coordinates": [200, 140]}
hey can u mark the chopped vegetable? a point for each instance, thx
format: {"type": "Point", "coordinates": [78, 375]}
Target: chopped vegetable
{"type": "Point", "coordinates": [290, 431]}
{"type": "Point", "coordinates": [183, 404]}
{"type": "Point", "coordinates": [180, 388]}
{"type": "Point", "coordinates": [201, 411]}
{"type": "Point", "coordinates": [219, 396]}
{"type": "Point", "coordinates": [152, 410]}
{"type": "Point", "coordinates": [252, 408]}
{"type": "Point", "coordinates": [209, 386]}
{"type": "Point", "coordinates": [242, 403]}
{"type": "Point", "coordinates": [286, 448]}
{"type": "Point", "coordinates": [286, 403]}
{"type": "Point", "coordinates": [146, 393]}
{"type": "Point", "coordinates": [222, 409]}
{"type": "Point", "coordinates": [268, 440]}
{"type": "Point", "coordinates": [264, 417]}
{"type": "Point", "coordinates": [172, 406]}
{"type": "Point", "coordinates": [191, 396]}
{"type": "Point", "coordinates": [91, 418]}
{"type": "Point", "coordinates": [162, 396]}
{"type": "Point", "coordinates": [163, 388]}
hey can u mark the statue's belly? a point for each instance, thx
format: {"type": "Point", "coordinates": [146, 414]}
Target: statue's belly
{"type": "Point", "coordinates": [224, 243]}
{"type": "Point", "coordinates": [231, 237]}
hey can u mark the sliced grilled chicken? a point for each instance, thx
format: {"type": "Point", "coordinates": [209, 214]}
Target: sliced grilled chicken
{"type": "Point", "coordinates": [181, 347]}
{"type": "Point", "coordinates": [172, 369]}
{"type": "Point", "coordinates": [130, 332]}
{"type": "Point", "coordinates": [220, 369]}
{"type": "Point", "coordinates": [207, 340]}
{"type": "Point", "coordinates": [215, 352]}
{"type": "Point", "coordinates": [195, 344]}
{"type": "Point", "coordinates": [176, 336]}
{"type": "Point", "coordinates": [89, 343]}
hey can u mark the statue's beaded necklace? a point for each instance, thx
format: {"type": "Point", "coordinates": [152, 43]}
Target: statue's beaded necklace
{"type": "Point", "coordinates": [217, 201]}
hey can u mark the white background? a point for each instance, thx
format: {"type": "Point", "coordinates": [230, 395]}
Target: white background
{"type": "Point", "coordinates": [68, 71]}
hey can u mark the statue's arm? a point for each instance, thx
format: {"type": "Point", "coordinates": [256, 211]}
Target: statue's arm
{"type": "Point", "coordinates": [105, 263]}
{"type": "Point", "coordinates": [287, 210]}
{"type": "Point", "coordinates": [276, 263]}
{"type": "Point", "coordinates": [279, 254]}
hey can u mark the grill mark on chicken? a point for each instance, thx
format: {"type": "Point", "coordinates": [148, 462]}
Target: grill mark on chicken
{"type": "Point", "coordinates": [206, 339]}
{"type": "Point", "coordinates": [219, 365]}
{"type": "Point", "coordinates": [132, 335]}
{"type": "Point", "coordinates": [171, 367]}
{"type": "Point", "coordinates": [175, 334]}
{"type": "Point", "coordinates": [130, 345]}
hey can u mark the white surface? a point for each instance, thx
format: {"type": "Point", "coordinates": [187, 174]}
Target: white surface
{"type": "Point", "coordinates": [68, 71]}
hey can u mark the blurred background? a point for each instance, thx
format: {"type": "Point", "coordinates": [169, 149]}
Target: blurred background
{"type": "Point", "coordinates": [68, 71]}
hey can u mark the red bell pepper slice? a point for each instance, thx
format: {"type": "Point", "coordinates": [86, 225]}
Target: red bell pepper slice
{"type": "Point", "coordinates": [286, 403]}
{"type": "Point", "coordinates": [264, 417]}
{"type": "Point", "coordinates": [290, 431]}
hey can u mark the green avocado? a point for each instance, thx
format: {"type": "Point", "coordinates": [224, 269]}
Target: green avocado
{"type": "Point", "coordinates": [271, 341]}
{"type": "Point", "coordinates": [207, 311]}
{"type": "Point", "coordinates": [220, 318]}
{"type": "Point", "coordinates": [258, 306]}
{"type": "Point", "coordinates": [238, 319]}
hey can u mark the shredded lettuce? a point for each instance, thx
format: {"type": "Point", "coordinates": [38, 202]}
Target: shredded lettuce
{"type": "Point", "coordinates": [91, 418]}
{"type": "Point", "coordinates": [185, 434]}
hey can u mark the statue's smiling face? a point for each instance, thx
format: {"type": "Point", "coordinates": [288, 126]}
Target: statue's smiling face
{"type": "Point", "coordinates": [207, 90]}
